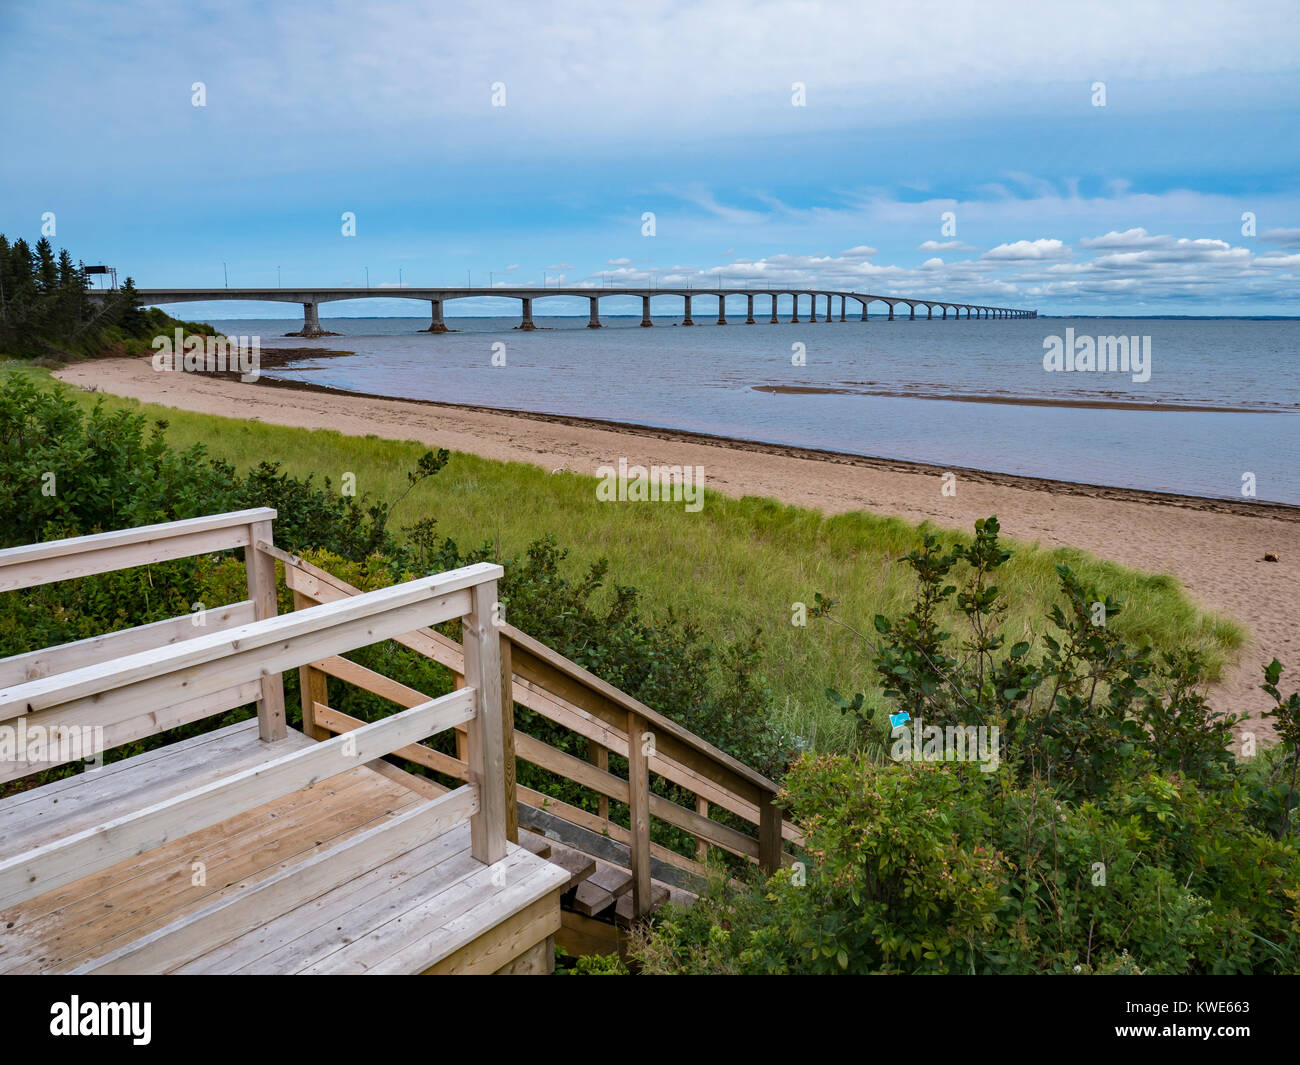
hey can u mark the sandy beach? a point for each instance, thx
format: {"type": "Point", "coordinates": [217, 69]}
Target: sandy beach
{"type": "Point", "coordinates": [1215, 547]}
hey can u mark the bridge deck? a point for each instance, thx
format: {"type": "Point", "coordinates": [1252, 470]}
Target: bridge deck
{"type": "Point", "coordinates": [430, 907]}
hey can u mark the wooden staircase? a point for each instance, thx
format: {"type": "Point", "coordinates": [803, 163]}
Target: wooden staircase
{"type": "Point", "coordinates": [616, 874]}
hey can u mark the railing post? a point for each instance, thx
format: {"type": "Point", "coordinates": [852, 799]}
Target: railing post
{"type": "Point", "coordinates": [481, 640]}
{"type": "Point", "coordinates": [769, 835]}
{"type": "Point", "coordinates": [314, 686]}
{"type": "Point", "coordinates": [598, 756]}
{"type": "Point", "coordinates": [508, 742]}
{"type": "Point", "coordinates": [638, 778]}
{"type": "Point", "coordinates": [260, 570]}
{"type": "Point", "coordinates": [701, 848]}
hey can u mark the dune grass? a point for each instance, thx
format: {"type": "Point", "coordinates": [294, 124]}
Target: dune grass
{"type": "Point", "coordinates": [735, 566]}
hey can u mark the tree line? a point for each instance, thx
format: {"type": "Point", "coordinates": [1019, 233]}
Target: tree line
{"type": "Point", "coordinates": [46, 308]}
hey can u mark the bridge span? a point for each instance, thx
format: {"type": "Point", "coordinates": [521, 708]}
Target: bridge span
{"type": "Point", "coordinates": [312, 298]}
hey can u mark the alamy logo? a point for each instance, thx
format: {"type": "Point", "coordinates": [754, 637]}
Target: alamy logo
{"type": "Point", "coordinates": [1114, 354]}
{"type": "Point", "coordinates": [637, 484]}
{"type": "Point", "coordinates": [54, 744]}
{"type": "Point", "coordinates": [199, 354]}
{"type": "Point", "coordinates": [950, 743]}
{"type": "Point", "coordinates": [103, 1018]}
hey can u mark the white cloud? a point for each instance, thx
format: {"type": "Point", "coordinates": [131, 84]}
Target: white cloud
{"type": "Point", "coordinates": [1043, 248]}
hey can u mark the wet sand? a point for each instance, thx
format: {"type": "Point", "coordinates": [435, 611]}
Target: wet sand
{"type": "Point", "coordinates": [1215, 547]}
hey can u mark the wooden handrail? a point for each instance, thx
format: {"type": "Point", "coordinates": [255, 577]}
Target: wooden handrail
{"type": "Point", "coordinates": [573, 697]}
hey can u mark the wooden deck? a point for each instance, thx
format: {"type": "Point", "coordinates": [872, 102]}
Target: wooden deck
{"type": "Point", "coordinates": [407, 915]}
{"type": "Point", "coordinates": [256, 848]}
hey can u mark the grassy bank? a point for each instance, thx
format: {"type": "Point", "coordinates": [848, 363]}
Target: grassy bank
{"type": "Point", "coordinates": [736, 565]}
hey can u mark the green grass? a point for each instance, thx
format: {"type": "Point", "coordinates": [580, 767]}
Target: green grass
{"type": "Point", "coordinates": [737, 565]}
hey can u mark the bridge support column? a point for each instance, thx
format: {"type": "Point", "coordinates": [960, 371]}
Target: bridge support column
{"type": "Point", "coordinates": [864, 310]}
{"type": "Point", "coordinates": [911, 312]}
{"type": "Point", "coordinates": [843, 300]}
{"type": "Point", "coordinates": [687, 319]}
{"type": "Point", "coordinates": [310, 322]}
{"type": "Point", "coordinates": [594, 322]}
{"type": "Point", "coordinates": [774, 319]}
{"type": "Point", "coordinates": [749, 310]}
{"type": "Point", "coordinates": [812, 306]}
{"type": "Point", "coordinates": [436, 324]}
{"type": "Point", "coordinates": [891, 312]}
{"type": "Point", "coordinates": [794, 304]}
{"type": "Point", "coordinates": [645, 312]}
{"type": "Point", "coordinates": [722, 309]}
{"type": "Point", "coordinates": [945, 312]}
{"type": "Point", "coordinates": [527, 321]}
{"type": "Point", "coordinates": [929, 313]}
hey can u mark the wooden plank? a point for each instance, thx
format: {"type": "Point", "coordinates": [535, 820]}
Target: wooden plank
{"type": "Point", "coordinates": [609, 877]}
{"type": "Point", "coordinates": [508, 742]}
{"type": "Point", "coordinates": [703, 827]}
{"type": "Point", "coordinates": [313, 686]}
{"type": "Point", "coordinates": [128, 730]}
{"type": "Point", "coordinates": [579, 866]}
{"type": "Point", "coordinates": [576, 769]}
{"type": "Point", "coordinates": [236, 914]}
{"type": "Point", "coordinates": [638, 776]}
{"type": "Point", "coordinates": [590, 900]}
{"type": "Point", "coordinates": [769, 836]}
{"type": "Point", "coordinates": [623, 907]}
{"type": "Point", "coordinates": [51, 660]}
{"type": "Point", "coordinates": [336, 721]}
{"type": "Point", "coordinates": [701, 846]}
{"type": "Point", "coordinates": [84, 556]}
{"type": "Point", "coordinates": [371, 617]}
{"type": "Point", "coordinates": [537, 960]}
{"type": "Point", "coordinates": [531, 929]}
{"type": "Point", "coordinates": [314, 925]}
{"type": "Point", "coordinates": [483, 749]}
{"type": "Point", "coordinates": [64, 860]}
{"type": "Point", "coordinates": [581, 936]}
{"type": "Point", "coordinates": [260, 571]}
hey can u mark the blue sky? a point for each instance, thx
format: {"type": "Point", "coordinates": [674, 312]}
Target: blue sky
{"type": "Point", "coordinates": [985, 110]}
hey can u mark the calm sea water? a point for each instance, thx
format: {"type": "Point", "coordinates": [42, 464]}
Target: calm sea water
{"type": "Point", "coordinates": [706, 379]}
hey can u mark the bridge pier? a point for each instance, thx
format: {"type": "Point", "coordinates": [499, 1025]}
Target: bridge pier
{"type": "Point", "coordinates": [794, 304]}
{"type": "Point", "coordinates": [911, 312]}
{"type": "Point", "coordinates": [843, 301]}
{"type": "Point", "coordinates": [594, 322]}
{"type": "Point", "coordinates": [722, 309]}
{"type": "Point", "coordinates": [929, 311]}
{"type": "Point", "coordinates": [812, 306]}
{"type": "Point", "coordinates": [310, 322]}
{"type": "Point", "coordinates": [645, 312]}
{"type": "Point", "coordinates": [774, 319]}
{"type": "Point", "coordinates": [436, 324]}
{"type": "Point", "coordinates": [749, 311]}
{"type": "Point", "coordinates": [527, 321]}
{"type": "Point", "coordinates": [891, 312]}
{"type": "Point", "coordinates": [864, 309]}
{"type": "Point", "coordinates": [945, 312]}
{"type": "Point", "coordinates": [687, 319]}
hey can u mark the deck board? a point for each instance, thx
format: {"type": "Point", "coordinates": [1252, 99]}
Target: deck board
{"type": "Point", "coordinates": [403, 916]}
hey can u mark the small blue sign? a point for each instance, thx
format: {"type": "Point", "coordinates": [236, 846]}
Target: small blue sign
{"type": "Point", "coordinates": [900, 719]}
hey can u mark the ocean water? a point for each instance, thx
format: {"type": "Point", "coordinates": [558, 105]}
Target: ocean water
{"type": "Point", "coordinates": [887, 389]}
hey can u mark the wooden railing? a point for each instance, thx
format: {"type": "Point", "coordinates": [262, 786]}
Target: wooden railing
{"type": "Point", "coordinates": [611, 721]}
{"type": "Point", "coordinates": [219, 668]}
{"type": "Point", "coordinates": [84, 556]}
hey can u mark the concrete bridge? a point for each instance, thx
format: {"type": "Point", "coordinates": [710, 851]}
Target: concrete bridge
{"type": "Point", "coordinates": [311, 299]}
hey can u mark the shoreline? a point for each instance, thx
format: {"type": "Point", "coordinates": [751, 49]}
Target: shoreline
{"type": "Point", "coordinates": [1214, 547]}
{"type": "Point", "coordinates": [1282, 511]}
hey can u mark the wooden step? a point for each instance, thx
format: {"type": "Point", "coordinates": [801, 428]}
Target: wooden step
{"type": "Point", "coordinates": [539, 845]}
{"type": "Point", "coordinates": [611, 878]}
{"type": "Point", "coordinates": [578, 865]}
{"type": "Point", "coordinates": [591, 900]}
{"type": "Point", "coordinates": [623, 908]}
